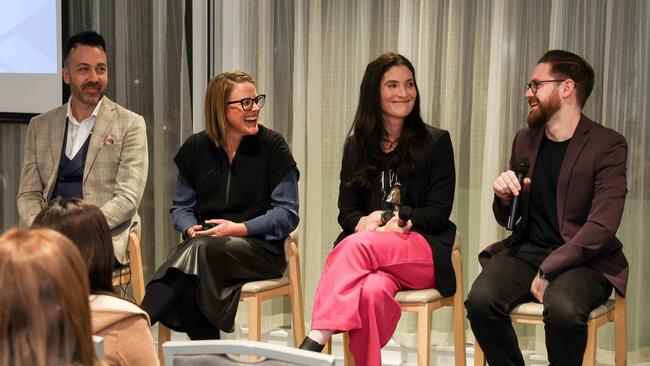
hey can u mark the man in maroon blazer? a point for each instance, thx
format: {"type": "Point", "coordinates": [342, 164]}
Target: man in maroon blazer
{"type": "Point", "coordinates": [563, 251]}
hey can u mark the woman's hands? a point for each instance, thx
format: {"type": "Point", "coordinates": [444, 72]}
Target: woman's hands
{"type": "Point", "coordinates": [373, 222]}
{"type": "Point", "coordinates": [392, 226]}
{"type": "Point", "coordinates": [370, 222]}
{"type": "Point", "coordinates": [192, 230]}
{"type": "Point", "coordinates": [222, 228]}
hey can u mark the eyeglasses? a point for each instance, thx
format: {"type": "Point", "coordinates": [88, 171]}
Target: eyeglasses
{"type": "Point", "coordinates": [536, 84]}
{"type": "Point", "coordinates": [247, 103]}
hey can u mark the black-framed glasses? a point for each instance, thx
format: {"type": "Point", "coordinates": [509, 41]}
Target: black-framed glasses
{"type": "Point", "coordinates": [536, 84]}
{"type": "Point", "coordinates": [247, 103]}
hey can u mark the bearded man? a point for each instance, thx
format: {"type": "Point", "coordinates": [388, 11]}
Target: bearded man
{"type": "Point", "coordinates": [89, 148]}
{"type": "Point", "coordinates": [563, 251]}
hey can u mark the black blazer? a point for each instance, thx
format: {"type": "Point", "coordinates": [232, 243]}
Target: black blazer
{"type": "Point", "coordinates": [429, 191]}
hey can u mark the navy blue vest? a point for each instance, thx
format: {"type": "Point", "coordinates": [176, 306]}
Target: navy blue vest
{"type": "Point", "coordinates": [71, 172]}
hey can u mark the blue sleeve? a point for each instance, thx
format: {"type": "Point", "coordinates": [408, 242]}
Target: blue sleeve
{"type": "Point", "coordinates": [278, 222]}
{"type": "Point", "coordinates": [182, 210]}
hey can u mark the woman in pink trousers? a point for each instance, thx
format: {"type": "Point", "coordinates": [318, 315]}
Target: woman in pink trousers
{"type": "Point", "coordinates": [395, 198]}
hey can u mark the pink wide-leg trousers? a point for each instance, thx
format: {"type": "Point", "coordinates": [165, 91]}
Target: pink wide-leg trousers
{"type": "Point", "coordinates": [360, 277]}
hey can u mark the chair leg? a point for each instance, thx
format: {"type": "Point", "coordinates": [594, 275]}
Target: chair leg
{"type": "Point", "coordinates": [620, 324]}
{"type": "Point", "coordinates": [348, 358]}
{"type": "Point", "coordinates": [164, 335]}
{"type": "Point", "coordinates": [328, 347]}
{"type": "Point", "coordinates": [137, 273]}
{"type": "Point", "coordinates": [254, 323]}
{"type": "Point", "coordinates": [298, 324]}
{"type": "Point", "coordinates": [297, 315]}
{"type": "Point", "coordinates": [479, 355]}
{"type": "Point", "coordinates": [424, 334]}
{"type": "Point", "coordinates": [254, 320]}
{"type": "Point", "coordinates": [589, 358]}
{"type": "Point", "coordinates": [459, 330]}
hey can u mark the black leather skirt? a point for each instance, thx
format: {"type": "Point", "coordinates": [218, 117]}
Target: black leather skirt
{"type": "Point", "coordinates": [221, 267]}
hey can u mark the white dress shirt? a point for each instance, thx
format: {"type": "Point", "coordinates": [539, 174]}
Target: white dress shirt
{"type": "Point", "coordinates": [78, 132]}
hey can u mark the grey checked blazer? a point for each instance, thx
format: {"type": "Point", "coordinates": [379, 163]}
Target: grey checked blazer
{"type": "Point", "coordinates": [115, 171]}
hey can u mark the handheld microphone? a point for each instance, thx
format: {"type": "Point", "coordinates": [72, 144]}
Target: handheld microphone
{"type": "Point", "coordinates": [405, 213]}
{"type": "Point", "coordinates": [520, 168]}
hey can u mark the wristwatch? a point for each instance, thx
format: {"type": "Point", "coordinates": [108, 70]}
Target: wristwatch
{"type": "Point", "coordinates": [386, 216]}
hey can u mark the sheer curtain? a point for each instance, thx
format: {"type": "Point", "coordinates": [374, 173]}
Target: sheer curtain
{"type": "Point", "coordinates": [472, 59]}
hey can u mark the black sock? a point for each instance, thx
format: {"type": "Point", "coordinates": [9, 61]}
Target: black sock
{"type": "Point", "coordinates": [196, 324]}
{"type": "Point", "coordinates": [163, 295]}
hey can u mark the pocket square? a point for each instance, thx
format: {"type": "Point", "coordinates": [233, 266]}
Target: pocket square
{"type": "Point", "coordinates": [110, 140]}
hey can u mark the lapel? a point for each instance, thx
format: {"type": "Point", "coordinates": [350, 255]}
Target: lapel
{"type": "Point", "coordinates": [102, 128]}
{"type": "Point", "coordinates": [57, 132]}
{"type": "Point", "coordinates": [530, 151]}
{"type": "Point", "coordinates": [577, 143]}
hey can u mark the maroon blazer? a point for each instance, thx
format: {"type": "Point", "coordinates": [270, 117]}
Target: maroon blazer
{"type": "Point", "coordinates": [591, 191]}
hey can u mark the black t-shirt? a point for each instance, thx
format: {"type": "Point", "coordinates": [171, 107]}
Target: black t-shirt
{"type": "Point", "coordinates": [543, 228]}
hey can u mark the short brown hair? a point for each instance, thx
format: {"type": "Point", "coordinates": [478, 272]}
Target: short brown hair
{"type": "Point", "coordinates": [45, 316]}
{"type": "Point", "coordinates": [86, 226]}
{"type": "Point", "coordinates": [571, 66]}
{"type": "Point", "coordinates": [216, 96]}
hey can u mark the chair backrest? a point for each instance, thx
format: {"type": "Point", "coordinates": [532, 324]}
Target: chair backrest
{"type": "Point", "coordinates": [456, 261]}
{"type": "Point", "coordinates": [288, 251]}
{"type": "Point", "coordinates": [214, 352]}
{"type": "Point", "coordinates": [98, 344]}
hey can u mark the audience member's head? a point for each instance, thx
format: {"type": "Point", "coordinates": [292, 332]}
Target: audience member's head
{"type": "Point", "coordinates": [44, 312]}
{"type": "Point", "coordinates": [86, 226]}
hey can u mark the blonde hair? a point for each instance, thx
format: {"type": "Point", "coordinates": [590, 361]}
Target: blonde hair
{"type": "Point", "coordinates": [44, 311]}
{"type": "Point", "coordinates": [216, 96]}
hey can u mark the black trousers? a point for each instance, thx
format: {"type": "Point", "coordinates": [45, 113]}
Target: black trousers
{"type": "Point", "coordinates": [505, 282]}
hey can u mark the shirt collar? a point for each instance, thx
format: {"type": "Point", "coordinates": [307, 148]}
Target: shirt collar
{"type": "Point", "coordinates": [92, 116]}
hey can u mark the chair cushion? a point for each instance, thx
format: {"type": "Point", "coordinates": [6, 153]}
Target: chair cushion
{"type": "Point", "coordinates": [265, 285]}
{"type": "Point", "coordinates": [418, 296]}
{"type": "Point", "coordinates": [537, 309]}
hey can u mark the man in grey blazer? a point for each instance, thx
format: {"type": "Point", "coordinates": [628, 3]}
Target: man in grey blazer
{"type": "Point", "coordinates": [89, 148]}
{"type": "Point", "coordinates": [564, 251]}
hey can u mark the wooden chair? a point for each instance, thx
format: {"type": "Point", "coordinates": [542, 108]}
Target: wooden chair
{"type": "Point", "coordinates": [611, 311]}
{"type": "Point", "coordinates": [423, 302]}
{"type": "Point", "coordinates": [133, 272]}
{"type": "Point", "coordinates": [254, 293]}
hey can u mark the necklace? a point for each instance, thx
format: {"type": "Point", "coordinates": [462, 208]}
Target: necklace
{"type": "Point", "coordinates": [389, 145]}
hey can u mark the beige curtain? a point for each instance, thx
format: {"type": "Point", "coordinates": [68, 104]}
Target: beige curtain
{"type": "Point", "coordinates": [472, 59]}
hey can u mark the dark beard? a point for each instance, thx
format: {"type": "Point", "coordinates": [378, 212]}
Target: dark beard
{"type": "Point", "coordinates": [545, 110]}
{"type": "Point", "coordinates": [537, 117]}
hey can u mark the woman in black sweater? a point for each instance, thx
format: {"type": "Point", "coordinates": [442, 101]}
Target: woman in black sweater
{"type": "Point", "coordinates": [236, 200]}
{"type": "Point", "coordinates": [393, 162]}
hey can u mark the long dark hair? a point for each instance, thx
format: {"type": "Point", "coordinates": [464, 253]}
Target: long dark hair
{"type": "Point", "coordinates": [363, 143]}
{"type": "Point", "coordinates": [86, 226]}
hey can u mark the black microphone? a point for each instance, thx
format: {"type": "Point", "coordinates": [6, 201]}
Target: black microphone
{"type": "Point", "coordinates": [405, 213]}
{"type": "Point", "coordinates": [520, 168]}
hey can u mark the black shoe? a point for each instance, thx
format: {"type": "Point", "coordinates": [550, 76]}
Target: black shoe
{"type": "Point", "coordinates": [311, 345]}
